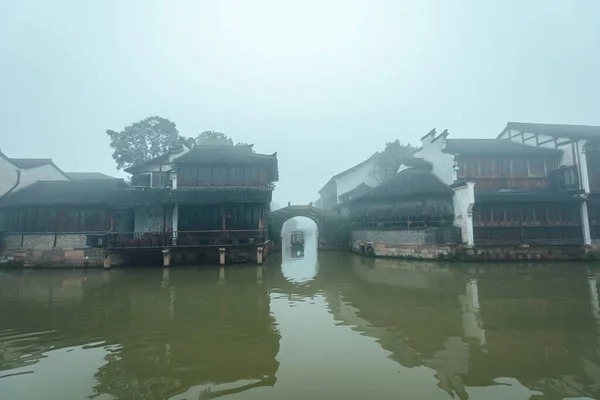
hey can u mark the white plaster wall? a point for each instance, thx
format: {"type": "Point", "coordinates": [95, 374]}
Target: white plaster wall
{"type": "Point", "coordinates": [350, 180]}
{"type": "Point", "coordinates": [462, 199]}
{"type": "Point", "coordinates": [149, 219]}
{"type": "Point", "coordinates": [8, 176]}
{"type": "Point", "coordinates": [443, 163]}
{"type": "Point", "coordinates": [44, 173]}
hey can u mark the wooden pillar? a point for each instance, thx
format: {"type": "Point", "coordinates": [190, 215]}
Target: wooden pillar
{"type": "Point", "coordinates": [259, 255]}
{"type": "Point", "coordinates": [166, 257]}
{"type": "Point", "coordinates": [107, 260]}
{"type": "Point", "coordinates": [222, 256]}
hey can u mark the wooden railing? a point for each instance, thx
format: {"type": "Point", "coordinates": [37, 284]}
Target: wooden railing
{"type": "Point", "coordinates": [136, 239]}
{"type": "Point", "coordinates": [495, 184]}
{"type": "Point", "coordinates": [185, 238]}
{"type": "Point", "coordinates": [509, 235]}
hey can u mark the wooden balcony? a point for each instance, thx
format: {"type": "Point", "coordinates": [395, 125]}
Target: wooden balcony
{"type": "Point", "coordinates": [184, 239]}
{"type": "Point", "coordinates": [524, 184]}
{"type": "Point", "coordinates": [535, 235]}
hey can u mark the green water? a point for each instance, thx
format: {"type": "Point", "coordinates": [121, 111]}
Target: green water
{"type": "Point", "coordinates": [332, 326]}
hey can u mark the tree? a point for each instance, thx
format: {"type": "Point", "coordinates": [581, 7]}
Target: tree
{"type": "Point", "coordinates": [142, 141]}
{"type": "Point", "coordinates": [213, 138]}
{"type": "Point", "coordinates": [389, 160]}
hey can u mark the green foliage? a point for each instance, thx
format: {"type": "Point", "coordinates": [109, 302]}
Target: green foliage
{"type": "Point", "coordinates": [213, 138]}
{"type": "Point", "coordinates": [143, 141]}
{"type": "Point", "coordinates": [390, 158]}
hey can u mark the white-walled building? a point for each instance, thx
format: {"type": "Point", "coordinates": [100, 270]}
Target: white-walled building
{"type": "Point", "coordinates": [506, 192]}
{"type": "Point", "coordinates": [17, 173]}
{"type": "Point", "coordinates": [352, 182]}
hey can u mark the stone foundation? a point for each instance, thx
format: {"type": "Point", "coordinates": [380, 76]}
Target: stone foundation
{"type": "Point", "coordinates": [50, 250]}
{"type": "Point", "coordinates": [56, 257]}
{"type": "Point", "coordinates": [441, 244]}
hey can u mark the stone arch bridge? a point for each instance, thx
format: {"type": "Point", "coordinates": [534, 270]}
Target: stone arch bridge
{"type": "Point", "coordinates": [332, 228]}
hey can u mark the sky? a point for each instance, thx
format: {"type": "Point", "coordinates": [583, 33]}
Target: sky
{"type": "Point", "coordinates": [323, 83]}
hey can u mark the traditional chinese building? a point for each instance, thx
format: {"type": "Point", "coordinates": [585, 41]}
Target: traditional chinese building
{"type": "Point", "coordinates": [208, 202]}
{"type": "Point", "coordinates": [507, 193]}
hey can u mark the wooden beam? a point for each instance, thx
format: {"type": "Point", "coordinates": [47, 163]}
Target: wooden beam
{"type": "Point", "coordinates": [565, 142]}
{"type": "Point", "coordinates": [546, 141]}
{"type": "Point", "coordinates": [529, 138]}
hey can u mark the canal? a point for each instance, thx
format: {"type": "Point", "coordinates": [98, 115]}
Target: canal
{"type": "Point", "coordinates": [326, 326]}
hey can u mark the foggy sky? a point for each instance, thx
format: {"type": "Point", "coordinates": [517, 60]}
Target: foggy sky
{"type": "Point", "coordinates": [323, 83]}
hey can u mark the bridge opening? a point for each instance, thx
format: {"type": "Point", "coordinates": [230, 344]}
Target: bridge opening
{"type": "Point", "coordinates": [299, 239]}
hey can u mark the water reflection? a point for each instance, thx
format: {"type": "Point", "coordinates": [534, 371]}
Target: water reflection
{"type": "Point", "coordinates": [300, 265]}
{"type": "Point", "coordinates": [324, 326]}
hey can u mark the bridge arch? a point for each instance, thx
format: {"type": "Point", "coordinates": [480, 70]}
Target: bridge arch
{"type": "Point", "coordinates": [331, 227]}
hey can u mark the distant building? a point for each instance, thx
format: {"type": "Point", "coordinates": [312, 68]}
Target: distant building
{"type": "Point", "coordinates": [17, 173]}
{"type": "Point", "coordinates": [341, 187]}
{"type": "Point", "coordinates": [87, 176]}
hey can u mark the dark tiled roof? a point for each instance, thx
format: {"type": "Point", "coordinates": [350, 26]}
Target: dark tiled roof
{"type": "Point", "coordinates": [566, 131]}
{"type": "Point", "coordinates": [64, 193]}
{"type": "Point", "coordinates": [230, 154]}
{"type": "Point", "coordinates": [357, 191]}
{"type": "Point", "coordinates": [218, 195]}
{"type": "Point", "coordinates": [28, 163]}
{"type": "Point", "coordinates": [524, 197]}
{"type": "Point", "coordinates": [128, 198]}
{"type": "Point", "coordinates": [86, 176]}
{"type": "Point", "coordinates": [493, 147]}
{"type": "Point", "coordinates": [417, 163]}
{"type": "Point", "coordinates": [408, 183]}
{"type": "Point", "coordinates": [114, 193]}
{"type": "Point", "coordinates": [162, 159]}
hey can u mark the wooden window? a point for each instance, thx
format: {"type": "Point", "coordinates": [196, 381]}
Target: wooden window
{"type": "Point", "coordinates": [537, 168]}
{"type": "Point", "coordinates": [47, 221]}
{"type": "Point", "coordinates": [204, 175]}
{"type": "Point", "coordinates": [513, 214]}
{"type": "Point", "coordinates": [160, 179]}
{"type": "Point", "coordinates": [496, 168]}
{"type": "Point", "coordinates": [520, 168]}
{"type": "Point", "coordinates": [506, 168]}
{"type": "Point", "coordinates": [190, 175]}
{"type": "Point", "coordinates": [498, 214]}
{"type": "Point", "coordinates": [220, 175]}
{"type": "Point", "coordinates": [236, 175]}
{"type": "Point", "coordinates": [92, 220]}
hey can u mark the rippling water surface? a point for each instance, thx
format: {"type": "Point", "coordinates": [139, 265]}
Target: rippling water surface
{"type": "Point", "coordinates": [326, 326]}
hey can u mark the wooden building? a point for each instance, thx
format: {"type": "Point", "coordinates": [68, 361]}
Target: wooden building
{"type": "Point", "coordinates": [412, 199]}
{"type": "Point", "coordinates": [578, 169]}
{"type": "Point", "coordinates": [507, 193]}
{"type": "Point", "coordinates": [208, 197]}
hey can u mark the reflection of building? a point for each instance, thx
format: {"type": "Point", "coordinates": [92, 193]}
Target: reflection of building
{"type": "Point", "coordinates": [168, 340]}
{"type": "Point", "coordinates": [474, 331]}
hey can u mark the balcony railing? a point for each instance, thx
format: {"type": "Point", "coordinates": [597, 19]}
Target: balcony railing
{"type": "Point", "coordinates": [495, 184]}
{"type": "Point", "coordinates": [513, 235]}
{"type": "Point", "coordinates": [133, 239]}
{"type": "Point", "coordinates": [184, 239]}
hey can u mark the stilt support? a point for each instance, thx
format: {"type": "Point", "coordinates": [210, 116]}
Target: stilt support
{"type": "Point", "coordinates": [259, 273]}
{"type": "Point", "coordinates": [222, 256]}
{"type": "Point", "coordinates": [166, 257]}
{"type": "Point", "coordinates": [222, 275]}
{"type": "Point", "coordinates": [107, 260]}
{"type": "Point", "coordinates": [259, 255]}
